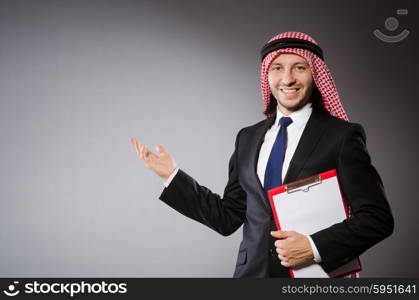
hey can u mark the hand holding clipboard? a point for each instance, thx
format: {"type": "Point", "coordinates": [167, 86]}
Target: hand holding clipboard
{"type": "Point", "coordinates": [307, 206]}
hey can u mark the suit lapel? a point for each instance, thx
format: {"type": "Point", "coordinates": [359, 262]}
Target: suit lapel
{"type": "Point", "coordinates": [257, 142]}
{"type": "Point", "coordinates": [309, 140]}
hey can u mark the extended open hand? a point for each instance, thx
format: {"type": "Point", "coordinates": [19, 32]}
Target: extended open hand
{"type": "Point", "coordinates": [163, 163]}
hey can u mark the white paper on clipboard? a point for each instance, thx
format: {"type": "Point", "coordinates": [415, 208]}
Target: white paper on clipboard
{"type": "Point", "coordinates": [308, 206]}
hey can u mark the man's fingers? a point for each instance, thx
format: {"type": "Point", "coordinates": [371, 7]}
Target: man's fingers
{"type": "Point", "coordinates": [147, 155]}
{"type": "Point", "coordinates": [281, 251]}
{"type": "Point", "coordinates": [281, 244]}
{"type": "Point", "coordinates": [140, 149]}
{"type": "Point", "coordinates": [160, 149]}
{"type": "Point", "coordinates": [137, 145]}
{"type": "Point", "coordinates": [285, 264]}
{"type": "Point", "coordinates": [143, 152]}
{"type": "Point", "coordinates": [282, 258]}
{"type": "Point", "coordinates": [132, 141]}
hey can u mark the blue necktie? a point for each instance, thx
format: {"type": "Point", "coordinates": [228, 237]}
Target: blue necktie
{"type": "Point", "coordinates": [273, 172]}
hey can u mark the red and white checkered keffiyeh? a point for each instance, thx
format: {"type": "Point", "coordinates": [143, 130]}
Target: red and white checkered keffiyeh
{"type": "Point", "coordinates": [321, 74]}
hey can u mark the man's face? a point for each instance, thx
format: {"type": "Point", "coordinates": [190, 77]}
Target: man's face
{"type": "Point", "coordinates": [291, 82]}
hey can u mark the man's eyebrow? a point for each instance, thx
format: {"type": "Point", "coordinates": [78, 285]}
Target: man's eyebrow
{"type": "Point", "coordinates": [300, 63]}
{"type": "Point", "coordinates": [275, 64]}
{"type": "Point", "coordinates": [296, 63]}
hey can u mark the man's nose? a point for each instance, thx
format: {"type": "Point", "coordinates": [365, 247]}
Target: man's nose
{"type": "Point", "coordinates": [288, 78]}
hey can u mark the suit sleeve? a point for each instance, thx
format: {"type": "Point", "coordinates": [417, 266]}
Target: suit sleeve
{"type": "Point", "coordinates": [371, 219]}
{"type": "Point", "coordinates": [222, 214]}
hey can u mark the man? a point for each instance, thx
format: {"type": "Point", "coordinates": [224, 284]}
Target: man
{"type": "Point", "coordinates": [306, 132]}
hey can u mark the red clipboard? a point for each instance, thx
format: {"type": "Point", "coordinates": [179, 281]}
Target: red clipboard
{"type": "Point", "coordinates": [299, 206]}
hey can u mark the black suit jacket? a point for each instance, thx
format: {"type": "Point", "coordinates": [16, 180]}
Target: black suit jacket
{"type": "Point", "coordinates": [326, 143]}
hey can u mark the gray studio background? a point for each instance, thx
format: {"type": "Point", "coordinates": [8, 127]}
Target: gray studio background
{"type": "Point", "coordinates": [78, 78]}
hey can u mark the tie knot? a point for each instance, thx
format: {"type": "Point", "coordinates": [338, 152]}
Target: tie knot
{"type": "Point", "coordinates": [285, 121]}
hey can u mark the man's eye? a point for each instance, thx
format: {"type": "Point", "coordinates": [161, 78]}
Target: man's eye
{"type": "Point", "coordinates": [276, 68]}
{"type": "Point", "coordinates": [301, 68]}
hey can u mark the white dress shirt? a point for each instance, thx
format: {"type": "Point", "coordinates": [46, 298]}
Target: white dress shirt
{"type": "Point", "coordinates": [294, 132]}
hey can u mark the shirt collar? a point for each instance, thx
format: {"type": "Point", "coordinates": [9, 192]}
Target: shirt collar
{"type": "Point", "coordinates": [299, 117]}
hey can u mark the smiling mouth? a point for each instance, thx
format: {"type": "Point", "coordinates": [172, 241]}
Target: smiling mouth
{"type": "Point", "coordinates": [289, 91]}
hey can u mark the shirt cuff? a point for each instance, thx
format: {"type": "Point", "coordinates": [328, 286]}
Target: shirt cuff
{"type": "Point", "coordinates": [316, 254]}
{"type": "Point", "coordinates": [169, 180]}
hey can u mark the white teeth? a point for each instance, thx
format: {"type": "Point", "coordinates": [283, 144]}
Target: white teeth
{"type": "Point", "coordinates": [289, 91]}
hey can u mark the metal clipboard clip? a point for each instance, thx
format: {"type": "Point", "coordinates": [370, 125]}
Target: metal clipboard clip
{"type": "Point", "coordinates": [303, 184]}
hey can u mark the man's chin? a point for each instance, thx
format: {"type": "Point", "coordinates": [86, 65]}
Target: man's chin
{"type": "Point", "coordinates": [293, 106]}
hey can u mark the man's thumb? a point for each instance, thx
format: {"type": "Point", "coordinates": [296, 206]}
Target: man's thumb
{"type": "Point", "coordinates": [160, 149]}
{"type": "Point", "coordinates": [280, 234]}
